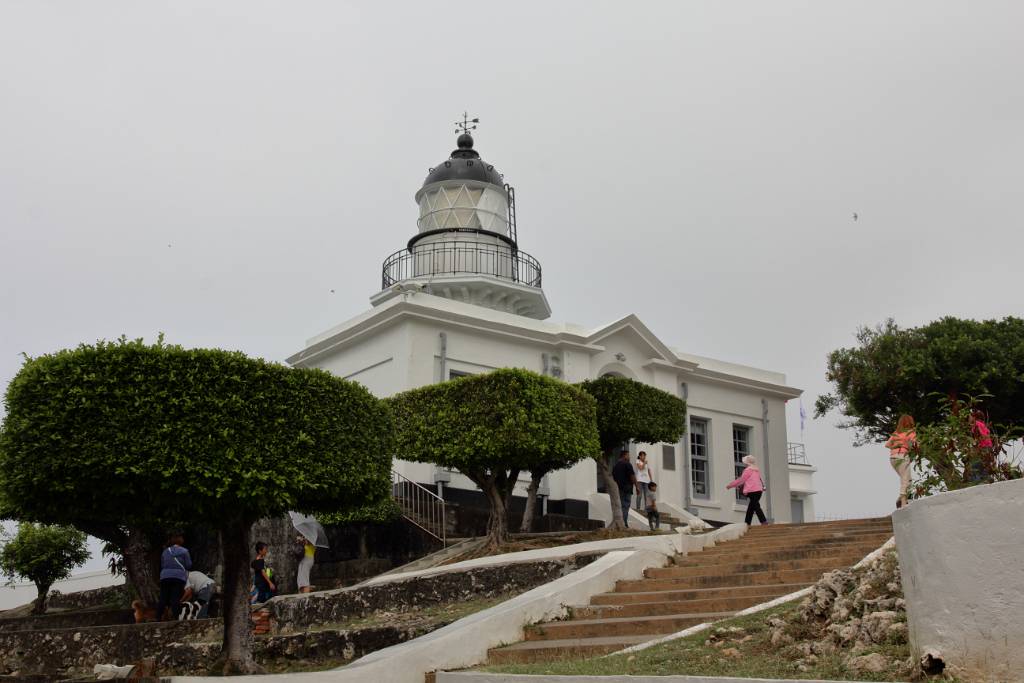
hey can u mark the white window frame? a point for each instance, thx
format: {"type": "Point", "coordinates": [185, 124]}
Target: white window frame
{"type": "Point", "coordinates": [738, 454]}
{"type": "Point", "coordinates": [706, 458]}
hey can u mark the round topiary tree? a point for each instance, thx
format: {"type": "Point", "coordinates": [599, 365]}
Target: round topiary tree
{"type": "Point", "coordinates": [628, 410]}
{"type": "Point", "coordinates": [125, 433]}
{"type": "Point", "coordinates": [44, 555]}
{"type": "Point", "coordinates": [491, 427]}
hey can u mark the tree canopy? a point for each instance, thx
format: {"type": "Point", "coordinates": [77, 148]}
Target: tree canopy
{"type": "Point", "coordinates": [491, 427]}
{"type": "Point", "coordinates": [44, 555]}
{"type": "Point", "coordinates": [628, 410]}
{"type": "Point", "coordinates": [128, 433]}
{"type": "Point", "coordinates": [895, 370]}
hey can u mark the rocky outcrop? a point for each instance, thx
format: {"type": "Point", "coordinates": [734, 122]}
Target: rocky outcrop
{"type": "Point", "coordinates": [848, 613]}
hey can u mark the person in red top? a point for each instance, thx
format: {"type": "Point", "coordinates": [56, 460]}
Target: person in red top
{"type": "Point", "coordinates": [899, 445]}
{"type": "Point", "coordinates": [983, 460]}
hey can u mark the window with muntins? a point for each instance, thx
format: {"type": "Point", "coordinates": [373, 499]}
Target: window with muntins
{"type": "Point", "coordinates": [740, 449]}
{"type": "Point", "coordinates": [700, 463]}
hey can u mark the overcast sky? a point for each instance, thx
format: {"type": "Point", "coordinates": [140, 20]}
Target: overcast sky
{"type": "Point", "coordinates": [214, 170]}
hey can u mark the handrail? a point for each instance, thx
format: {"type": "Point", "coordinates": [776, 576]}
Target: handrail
{"type": "Point", "coordinates": [458, 257]}
{"type": "Point", "coordinates": [421, 506]}
{"type": "Point", "coordinates": [797, 454]}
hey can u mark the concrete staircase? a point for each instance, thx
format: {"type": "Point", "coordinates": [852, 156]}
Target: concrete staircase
{"type": "Point", "coordinates": [766, 563]}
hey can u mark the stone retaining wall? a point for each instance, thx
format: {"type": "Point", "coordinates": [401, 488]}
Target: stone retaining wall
{"type": "Point", "coordinates": [296, 612]}
{"type": "Point", "coordinates": [80, 619]}
{"type": "Point", "coordinates": [75, 650]}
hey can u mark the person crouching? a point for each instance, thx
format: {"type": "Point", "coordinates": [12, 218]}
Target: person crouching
{"type": "Point", "coordinates": [653, 518]}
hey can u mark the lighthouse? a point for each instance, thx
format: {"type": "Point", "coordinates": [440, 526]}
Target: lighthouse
{"type": "Point", "coordinates": [466, 244]}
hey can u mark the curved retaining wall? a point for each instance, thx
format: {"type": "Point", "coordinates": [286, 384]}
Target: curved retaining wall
{"type": "Point", "coordinates": [962, 560]}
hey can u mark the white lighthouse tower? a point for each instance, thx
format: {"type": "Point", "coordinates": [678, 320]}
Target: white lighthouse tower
{"type": "Point", "coordinates": [466, 245]}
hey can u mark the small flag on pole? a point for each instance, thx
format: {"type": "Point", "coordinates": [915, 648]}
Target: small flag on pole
{"type": "Point", "coordinates": [803, 417]}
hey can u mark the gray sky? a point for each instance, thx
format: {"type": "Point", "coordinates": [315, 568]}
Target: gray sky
{"type": "Point", "coordinates": [213, 170]}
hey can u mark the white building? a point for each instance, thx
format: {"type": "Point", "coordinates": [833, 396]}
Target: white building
{"type": "Point", "coordinates": [461, 298]}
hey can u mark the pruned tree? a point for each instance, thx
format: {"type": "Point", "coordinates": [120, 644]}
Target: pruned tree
{"type": "Point", "coordinates": [491, 427]}
{"type": "Point", "coordinates": [43, 555]}
{"type": "Point", "coordinates": [125, 434]}
{"type": "Point", "coordinates": [628, 410]}
{"type": "Point", "coordinates": [895, 370]}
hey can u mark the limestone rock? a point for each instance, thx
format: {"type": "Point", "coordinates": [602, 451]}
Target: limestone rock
{"type": "Point", "coordinates": [872, 663]}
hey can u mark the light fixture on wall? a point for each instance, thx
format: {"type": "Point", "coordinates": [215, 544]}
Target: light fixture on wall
{"type": "Point", "coordinates": [621, 357]}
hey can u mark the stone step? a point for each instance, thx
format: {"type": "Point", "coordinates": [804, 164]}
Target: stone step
{"type": "Point", "coordinates": [867, 521]}
{"type": "Point", "coordinates": [722, 581]}
{"type": "Point", "coordinates": [746, 567]}
{"type": "Point", "coordinates": [642, 609]}
{"type": "Point", "coordinates": [816, 534]}
{"type": "Point", "coordinates": [706, 560]}
{"type": "Point", "coordinates": [619, 626]}
{"type": "Point", "coordinates": [686, 594]}
{"type": "Point", "coordinates": [793, 544]}
{"type": "Point", "coordinates": [570, 648]}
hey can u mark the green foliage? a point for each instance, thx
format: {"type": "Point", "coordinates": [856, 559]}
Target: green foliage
{"type": "Point", "coordinates": [628, 410]}
{"type": "Point", "coordinates": [124, 432]}
{"type": "Point", "coordinates": [43, 554]}
{"type": "Point", "coordinates": [508, 419]}
{"type": "Point", "coordinates": [893, 371]}
{"type": "Point", "coordinates": [383, 511]}
{"type": "Point", "coordinates": [947, 455]}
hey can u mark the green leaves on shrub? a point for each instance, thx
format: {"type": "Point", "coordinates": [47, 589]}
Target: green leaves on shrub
{"type": "Point", "coordinates": [628, 410]}
{"type": "Point", "coordinates": [506, 419]}
{"type": "Point", "coordinates": [129, 432]}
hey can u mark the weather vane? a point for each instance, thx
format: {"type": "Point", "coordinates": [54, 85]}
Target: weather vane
{"type": "Point", "coordinates": [464, 126]}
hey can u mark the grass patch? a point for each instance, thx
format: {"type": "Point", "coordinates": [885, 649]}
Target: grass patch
{"type": "Point", "coordinates": [745, 652]}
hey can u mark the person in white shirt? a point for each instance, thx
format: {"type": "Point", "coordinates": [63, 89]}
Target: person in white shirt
{"type": "Point", "coordinates": [199, 588]}
{"type": "Point", "coordinates": [644, 477]}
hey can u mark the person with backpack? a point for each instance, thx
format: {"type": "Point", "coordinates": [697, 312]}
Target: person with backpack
{"type": "Point", "coordinates": [752, 486]}
{"type": "Point", "coordinates": [175, 562]}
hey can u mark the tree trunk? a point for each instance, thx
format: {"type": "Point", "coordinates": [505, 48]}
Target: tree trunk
{"type": "Point", "coordinates": [141, 561]}
{"type": "Point", "coordinates": [497, 521]}
{"type": "Point", "coordinates": [364, 551]}
{"type": "Point", "coordinates": [613, 493]}
{"type": "Point", "coordinates": [236, 655]}
{"type": "Point", "coordinates": [531, 500]}
{"type": "Point", "coordinates": [39, 604]}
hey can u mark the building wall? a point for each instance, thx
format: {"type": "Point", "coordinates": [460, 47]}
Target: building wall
{"type": "Point", "coordinates": [407, 354]}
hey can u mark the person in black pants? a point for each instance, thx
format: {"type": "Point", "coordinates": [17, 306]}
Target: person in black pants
{"type": "Point", "coordinates": [754, 507]}
{"type": "Point", "coordinates": [752, 486]}
{"type": "Point", "coordinates": [625, 480]}
{"type": "Point", "coordinates": [174, 565]}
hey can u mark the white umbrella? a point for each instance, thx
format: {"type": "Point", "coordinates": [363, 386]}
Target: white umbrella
{"type": "Point", "coordinates": [310, 529]}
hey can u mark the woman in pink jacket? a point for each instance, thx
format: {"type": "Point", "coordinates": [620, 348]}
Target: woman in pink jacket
{"type": "Point", "coordinates": [752, 486]}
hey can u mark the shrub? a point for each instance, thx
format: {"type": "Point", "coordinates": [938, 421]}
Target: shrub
{"type": "Point", "coordinates": [491, 427]}
{"type": "Point", "coordinates": [125, 433]}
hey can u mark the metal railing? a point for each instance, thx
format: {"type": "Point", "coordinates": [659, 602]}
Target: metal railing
{"type": "Point", "coordinates": [461, 258]}
{"type": "Point", "coordinates": [420, 505]}
{"type": "Point", "coordinates": [797, 454]}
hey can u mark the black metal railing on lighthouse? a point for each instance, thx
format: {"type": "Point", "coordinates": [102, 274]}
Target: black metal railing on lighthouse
{"type": "Point", "coordinates": [461, 258]}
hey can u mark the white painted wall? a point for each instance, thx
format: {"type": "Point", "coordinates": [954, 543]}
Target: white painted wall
{"type": "Point", "coordinates": [404, 352]}
{"type": "Point", "coordinates": [962, 563]}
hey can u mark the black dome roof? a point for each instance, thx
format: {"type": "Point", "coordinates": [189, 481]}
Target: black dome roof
{"type": "Point", "coordinates": [465, 164]}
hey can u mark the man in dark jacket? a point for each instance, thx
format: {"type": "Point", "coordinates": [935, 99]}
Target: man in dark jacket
{"type": "Point", "coordinates": [625, 479]}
